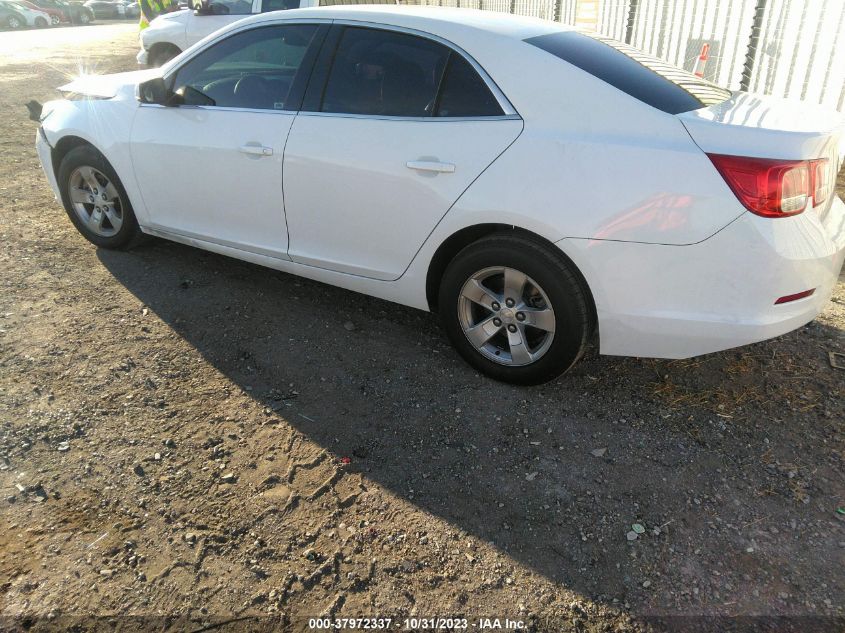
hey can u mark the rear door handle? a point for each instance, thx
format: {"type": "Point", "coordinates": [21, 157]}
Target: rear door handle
{"type": "Point", "coordinates": [256, 150]}
{"type": "Point", "coordinates": [431, 165]}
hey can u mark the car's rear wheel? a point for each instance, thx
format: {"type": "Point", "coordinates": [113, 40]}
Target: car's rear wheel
{"type": "Point", "coordinates": [515, 309]}
{"type": "Point", "coordinates": [85, 17]}
{"type": "Point", "coordinates": [95, 199]}
{"type": "Point", "coordinates": [14, 22]}
{"type": "Point", "coordinates": [54, 20]}
{"type": "Point", "coordinates": [41, 22]}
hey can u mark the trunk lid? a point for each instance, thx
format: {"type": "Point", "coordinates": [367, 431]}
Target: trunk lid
{"type": "Point", "coordinates": [767, 127]}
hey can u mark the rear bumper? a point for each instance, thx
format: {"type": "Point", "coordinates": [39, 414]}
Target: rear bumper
{"type": "Point", "coordinates": [680, 301]}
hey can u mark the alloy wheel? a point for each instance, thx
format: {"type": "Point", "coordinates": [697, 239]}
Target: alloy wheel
{"type": "Point", "coordinates": [506, 316]}
{"type": "Point", "coordinates": [95, 201]}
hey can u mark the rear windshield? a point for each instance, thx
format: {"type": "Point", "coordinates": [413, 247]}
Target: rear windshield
{"type": "Point", "coordinates": [646, 78]}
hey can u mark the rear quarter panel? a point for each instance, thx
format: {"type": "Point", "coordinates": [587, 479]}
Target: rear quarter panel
{"type": "Point", "coordinates": [592, 161]}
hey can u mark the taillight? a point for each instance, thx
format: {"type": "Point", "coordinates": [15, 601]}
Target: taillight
{"type": "Point", "coordinates": [822, 181]}
{"type": "Point", "coordinates": [775, 188]}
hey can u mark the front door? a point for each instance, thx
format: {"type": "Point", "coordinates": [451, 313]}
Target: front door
{"type": "Point", "coordinates": [404, 125]}
{"type": "Point", "coordinates": [211, 167]}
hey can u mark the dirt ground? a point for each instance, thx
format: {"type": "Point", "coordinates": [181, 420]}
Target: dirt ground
{"type": "Point", "coordinates": [188, 441]}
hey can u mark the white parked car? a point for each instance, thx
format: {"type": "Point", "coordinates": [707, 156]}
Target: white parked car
{"type": "Point", "coordinates": [171, 33]}
{"type": "Point", "coordinates": [531, 183]}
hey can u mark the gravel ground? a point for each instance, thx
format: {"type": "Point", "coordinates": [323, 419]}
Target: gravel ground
{"type": "Point", "coordinates": [188, 441]}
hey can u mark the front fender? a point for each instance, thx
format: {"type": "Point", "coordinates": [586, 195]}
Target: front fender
{"type": "Point", "coordinates": [103, 123]}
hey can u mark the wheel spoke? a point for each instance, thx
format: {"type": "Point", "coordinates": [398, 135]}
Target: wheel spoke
{"type": "Point", "coordinates": [88, 176]}
{"type": "Point", "coordinates": [514, 284]}
{"type": "Point", "coordinates": [115, 220]}
{"type": "Point", "coordinates": [477, 293]}
{"type": "Point", "coordinates": [111, 192]}
{"type": "Point", "coordinates": [482, 332]}
{"type": "Point", "coordinates": [78, 195]}
{"type": "Point", "coordinates": [519, 350]}
{"type": "Point", "coordinates": [97, 220]}
{"type": "Point", "coordinates": [542, 319]}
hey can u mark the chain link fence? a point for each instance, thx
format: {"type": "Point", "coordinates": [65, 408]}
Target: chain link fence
{"type": "Point", "coordinates": [785, 48]}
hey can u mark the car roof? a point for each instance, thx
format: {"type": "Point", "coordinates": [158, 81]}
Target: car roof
{"type": "Point", "coordinates": [428, 19]}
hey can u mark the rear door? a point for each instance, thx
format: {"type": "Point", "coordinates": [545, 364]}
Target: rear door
{"type": "Point", "coordinates": [395, 126]}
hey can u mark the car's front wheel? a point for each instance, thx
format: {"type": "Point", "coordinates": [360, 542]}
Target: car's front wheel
{"type": "Point", "coordinates": [163, 54]}
{"type": "Point", "coordinates": [85, 17]}
{"type": "Point", "coordinates": [41, 22]}
{"type": "Point", "coordinates": [54, 20]}
{"type": "Point", "coordinates": [515, 309]}
{"type": "Point", "coordinates": [14, 22]}
{"type": "Point", "coordinates": [95, 199]}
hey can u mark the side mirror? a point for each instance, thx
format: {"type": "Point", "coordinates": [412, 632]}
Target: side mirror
{"type": "Point", "coordinates": [154, 91]}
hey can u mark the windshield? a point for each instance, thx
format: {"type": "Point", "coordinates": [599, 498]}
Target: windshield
{"type": "Point", "coordinates": [646, 78]}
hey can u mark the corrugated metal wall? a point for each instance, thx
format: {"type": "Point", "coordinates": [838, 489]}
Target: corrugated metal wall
{"type": "Point", "coordinates": [786, 48]}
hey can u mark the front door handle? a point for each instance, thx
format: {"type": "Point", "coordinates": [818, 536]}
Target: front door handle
{"type": "Point", "coordinates": [431, 165]}
{"type": "Point", "coordinates": [256, 150]}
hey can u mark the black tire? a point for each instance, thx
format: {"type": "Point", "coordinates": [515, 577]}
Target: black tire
{"type": "Point", "coordinates": [85, 17]}
{"type": "Point", "coordinates": [15, 22]}
{"type": "Point", "coordinates": [129, 234]}
{"type": "Point", "coordinates": [41, 23]}
{"type": "Point", "coordinates": [567, 295]}
{"type": "Point", "coordinates": [163, 54]}
{"type": "Point", "coordinates": [54, 20]}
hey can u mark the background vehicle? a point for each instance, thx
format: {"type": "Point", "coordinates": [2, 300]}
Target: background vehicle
{"type": "Point", "coordinates": [73, 12]}
{"type": "Point", "coordinates": [171, 33]}
{"type": "Point", "coordinates": [10, 18]}
{"type": "Point", "coordinates": [131, 8]}
{"type": "Point", "coordinates": [32, 17]}
{"type": "Point", "coordinates": [56, 15]}
{"type": "Point", "coordinates": [437, 158]}
{"type": "Point", "coordinates": [106, 9]}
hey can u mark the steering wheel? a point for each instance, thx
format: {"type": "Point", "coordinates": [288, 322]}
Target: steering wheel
{"type": "Point", "coordinates": [251, 90]}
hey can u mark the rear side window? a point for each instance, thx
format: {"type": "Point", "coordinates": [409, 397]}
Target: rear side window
{"type": "Point", "coordinates": [387, 73]}
{"type": "Point", "coordinates": [641, 76]}
{"type": "Point", "coordinates": [384, 73]}
{"type": "Point", "coordinates": [230, 7]}
{"type": "Point", "coordinates": [463, 92]}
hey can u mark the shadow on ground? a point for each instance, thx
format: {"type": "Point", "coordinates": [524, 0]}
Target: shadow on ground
{"type": "Point", "coordinates": [710, 455]}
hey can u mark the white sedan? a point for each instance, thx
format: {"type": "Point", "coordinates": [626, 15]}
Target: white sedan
{"type": "Point", "coordinates": [535, 185]}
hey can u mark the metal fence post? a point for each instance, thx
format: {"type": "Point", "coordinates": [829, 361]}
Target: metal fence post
{"type": "Point", "coordinates": [558, 10]}
{"type": "Point", "coordinates": [753, 45]}
{"type": "Point", "coordinates": [633, 8]}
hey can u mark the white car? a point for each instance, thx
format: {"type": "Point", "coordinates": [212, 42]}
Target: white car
{"type": "Point", "coordinates": [38, 19]}
{"type": "Point", "coordinates": [531, 183]}
{"type": "Point", "coordinates": [171, 33]}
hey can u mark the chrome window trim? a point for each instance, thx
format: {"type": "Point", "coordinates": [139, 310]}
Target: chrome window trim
{"type": "Point", "coordinates": [501, 99]}
{"type": "Point", "coordinates": [220, 108]}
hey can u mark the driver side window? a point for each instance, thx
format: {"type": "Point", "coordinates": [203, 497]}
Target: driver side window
{"type": "Point", "coordinates": [253, 69]}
